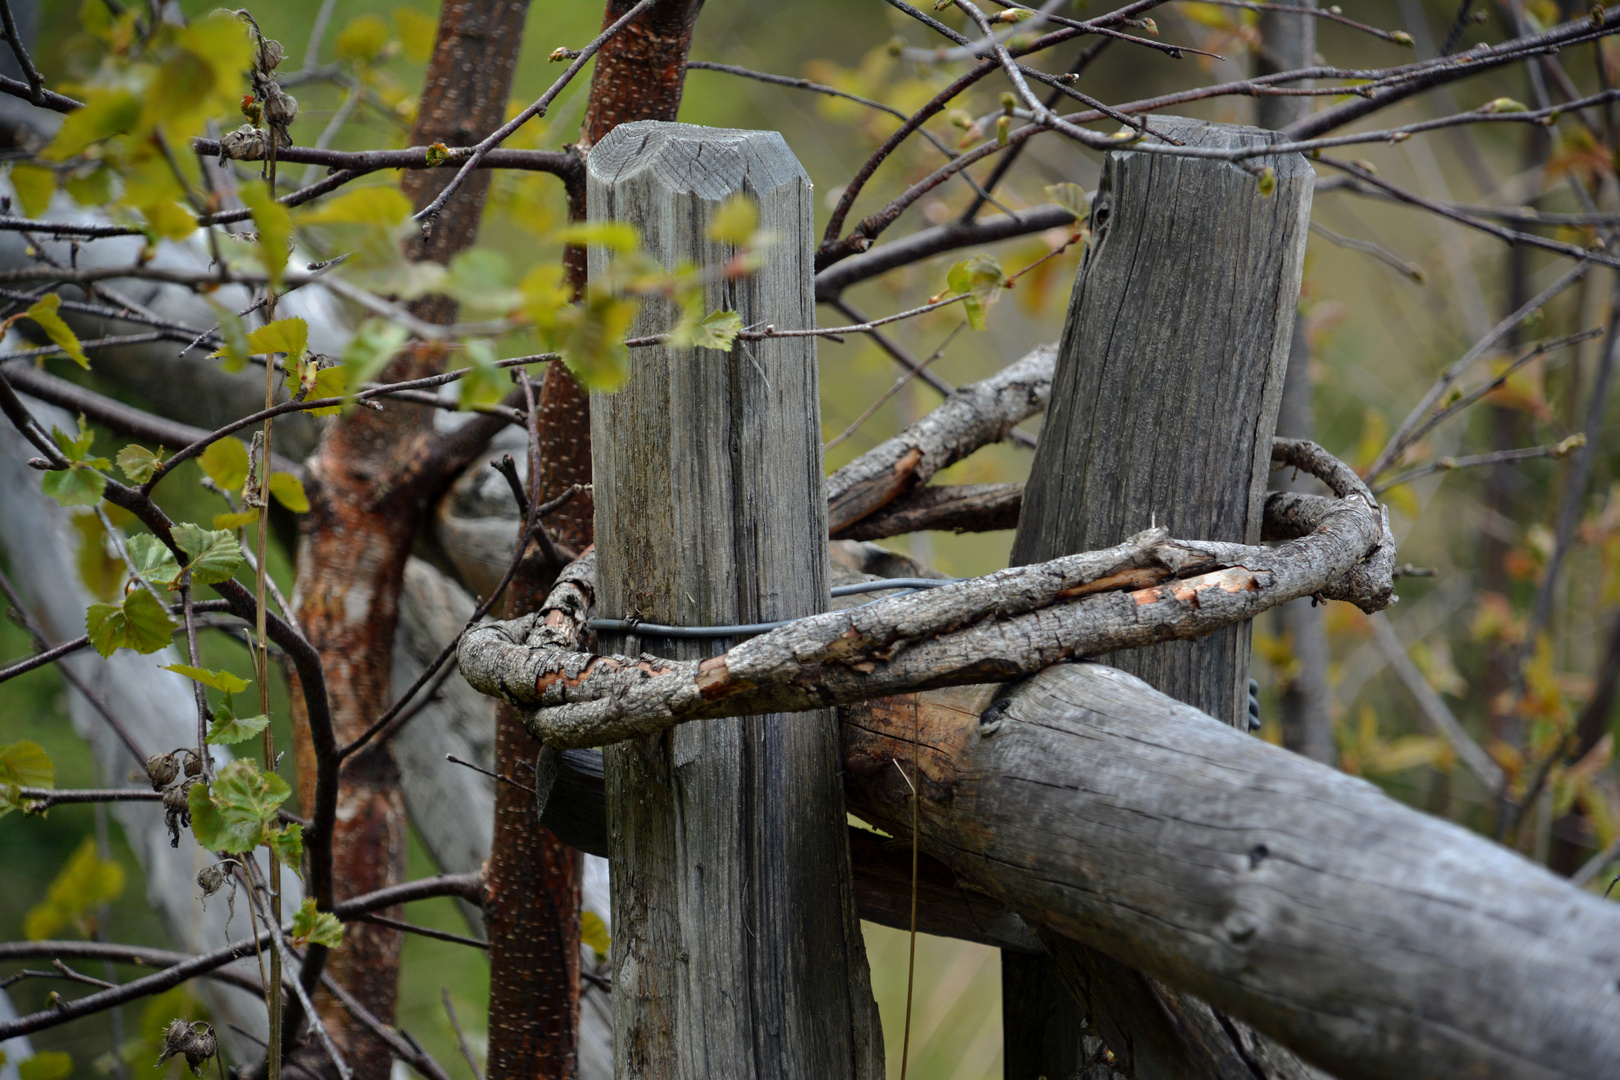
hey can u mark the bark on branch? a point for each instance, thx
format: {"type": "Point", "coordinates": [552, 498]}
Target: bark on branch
{"type": "Point", "coordinates": [1015, 622]}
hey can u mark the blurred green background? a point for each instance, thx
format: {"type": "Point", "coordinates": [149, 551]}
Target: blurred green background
{"type": "Point", "coordinates": [1378, 334]}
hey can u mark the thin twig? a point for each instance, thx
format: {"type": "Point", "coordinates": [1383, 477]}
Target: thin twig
{"type": "Point", "coordinates": [1498, 457]}
{"type": "Point", "coordinates": [894, 389]}
{"type": "Point", "coordinates": [1434, 710]}
{"type": "Point", "coordinates": [461, 1036]}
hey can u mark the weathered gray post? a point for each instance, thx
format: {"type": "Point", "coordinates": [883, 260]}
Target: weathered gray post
{"type": "Point", "coordinates": [737, 950]}
{"type": "Point", "coordinates": [1164, 400]}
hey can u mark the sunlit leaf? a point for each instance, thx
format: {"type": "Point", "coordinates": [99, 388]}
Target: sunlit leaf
{"type": "Point", "coordinates": [107, 112]}
{"type": "Point", "coordinates": [225, 461]}
{"type": "Point", "coordinates": [138, 462]}
{"type": "Point", "coordinates": [290, 336]}
{"type": "Point", "coordinates": [74, 447]}
{"type": "Point", "coordinates": [236, 350]}
{"type": "Point", "coordinates": [594, 932]}
{"type": "Point", "coordinates": [274, 226]}
{"type": "Point", "coordinates": [289, 491]}
{"type": "Point", "coordinates": [330, 382]}
{"type": "Point", "coordinates": [233, 813]}
{"type": "Point", "coordinates": [169, 220]}
{"type": "Point", "coordinates": [238, 520]}
{"type": "Point", "coordinates": [716, 330]}
{"type": "Point", "coordinates": [219, 680]}
{"type": "Point", "coordinates": [363, 39]}
{"type": "Point", "coordinates": [85, 883]}
{"type": "Point", "coordinates": [416, 34]}
{"type": "Point", "coordinates": [363, 206]}
{"type": "Point", "coordinates": [735, 221]}
{"type": "Point", "coordinates": [214, 554]}
{"type": "Point", "coordinates": [980, 278]}
{"type": "Point", "coordinates": [591, 339]}
{"type": "Point", "coordinates": [34, 185]}
{"type": "Point", "coordinates": [614, 235]}
{"type": "Point", "coordinates": [23, 764]}
{"type": "Point", "coordinates": [44, 313]}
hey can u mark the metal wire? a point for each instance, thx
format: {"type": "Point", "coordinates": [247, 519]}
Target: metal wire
{"type": "Point", "coordinates": [647, 629]}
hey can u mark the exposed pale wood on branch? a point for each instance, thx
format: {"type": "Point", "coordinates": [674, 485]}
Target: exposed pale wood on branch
{"type": "Point", "coordinates": [1011, 623]}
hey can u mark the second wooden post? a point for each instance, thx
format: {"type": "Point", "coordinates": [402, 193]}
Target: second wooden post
{"type": "Point", "coordinates": [737, 950]}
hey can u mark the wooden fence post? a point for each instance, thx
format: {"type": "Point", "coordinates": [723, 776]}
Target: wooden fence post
{"type": "Point", "coordinates": [737, 950]}
{"type": "Point", "coordinates": [1164, 400]}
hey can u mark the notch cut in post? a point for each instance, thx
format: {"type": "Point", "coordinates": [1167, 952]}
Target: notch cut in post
{"type": "Point", "coordinates": [737, 951]}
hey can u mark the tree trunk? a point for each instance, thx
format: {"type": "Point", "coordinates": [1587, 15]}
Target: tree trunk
{"type": "Point", "coordinates": [372, 480]}
{"type": "Point", "coordinates": [736, 947]}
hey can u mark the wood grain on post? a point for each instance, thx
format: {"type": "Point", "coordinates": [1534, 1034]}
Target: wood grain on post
{"type": "Point", "coordinates": [1164, 398]}
{"type": "Point", "coordinates": [736, 946]}
{"type": "Point", "coordinates": [1170, 374]}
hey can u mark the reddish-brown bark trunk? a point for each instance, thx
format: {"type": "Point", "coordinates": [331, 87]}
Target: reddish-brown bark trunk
{"type": "Point", "coordinates": [372, 480]}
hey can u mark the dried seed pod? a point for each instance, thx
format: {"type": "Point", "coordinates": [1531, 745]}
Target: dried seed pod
{"type": "Point", "coordinates": [176, 1038]}
{"type": "Point", "coordinates": [211, 878]}
{"type": "Point", "coordinates": [193, 763]}
{"type": "Point", "coordinates": [161, 770]}
{"type": "Point", "coordinates": [202, 1046]}
{"type": "Point", "coordinates": [176, 811]}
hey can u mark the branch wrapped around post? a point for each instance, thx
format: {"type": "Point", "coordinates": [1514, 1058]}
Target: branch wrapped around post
{"type": "Point", "coordinates": [736, 944]}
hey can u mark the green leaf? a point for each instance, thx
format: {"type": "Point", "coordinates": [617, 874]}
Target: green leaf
{"type": "Point", "coordinates": [107, 112]}
{"type": "Point", "coordinates": [318, 927]}
{"type": "Point", "coordinates": [482, 385]}
{"type": "Point", "coordinates": [594, 932]}
{"type": "Point", "coordinates": [288, 844]}
{"type": "Point", "coordinates": [331, 382]}
{"type": "Point", "coordinates": [289, 490]}
{"type": "Point", "coordinates": [23, 764]}
{"type": "Point", "coordinates": [481, 279]}
{"type": "Point", "coordinates": [981, 279]}
{"type": "Point", "coordinates": [275, 229]}
{"type": "Point", "coordinates": [735, 221]}
{"type": "Point", "coordinates": [364, 206]}
{"type": "Point", "coordinates": [226, 462]}
{"type": "Point", "coordinates": [46, 1065]}
{"type": "Point", "coordinates": [34, 185]}
{"type": "Point", "coordinates": [417, 33]}
{"type": "Point", "coordinates": [78, 486]}
{"type": "Point", "coordinates": [363, 40]}
{"type": "Point", "coordinates": [233, 813]}
{"type": "Point", "coordinates": [290, 336]}
{"type": "Point", "coordinates": [138, 462]}
{"type": "Point", "coordinates": [168, 220]}
{"type": "Point", "coordinates": [100, 569]}
{"type": "Point", "coordinates": [139, 623]}
{"type": "Point", "coordinates": [591, 339]}
{"type": "Point", "coordinates": [75, 447]}
{"type": "Point", "coordinates": [717, 330]}
{"type": "Point", "coordinates": [235, 351]}
{"type": "Point", "coordinates": [372, 347]}
{"type": "Point", "coordinates": [214, 554]}
{"type": "Point", "coordinates": [83, 885]}
{"type": "Point", "coordinates": [227, 730]}
{"type": "Point", "coordinates": [219, 680]}
{"type": "Point", "coordinates": [1072, 197]}
{"type": "Point", "coordinates": [618, 236]}
{"type": "Point", "coordinates": [238, 520]}
{"type": "Point", "coordinates": [152, 559]}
